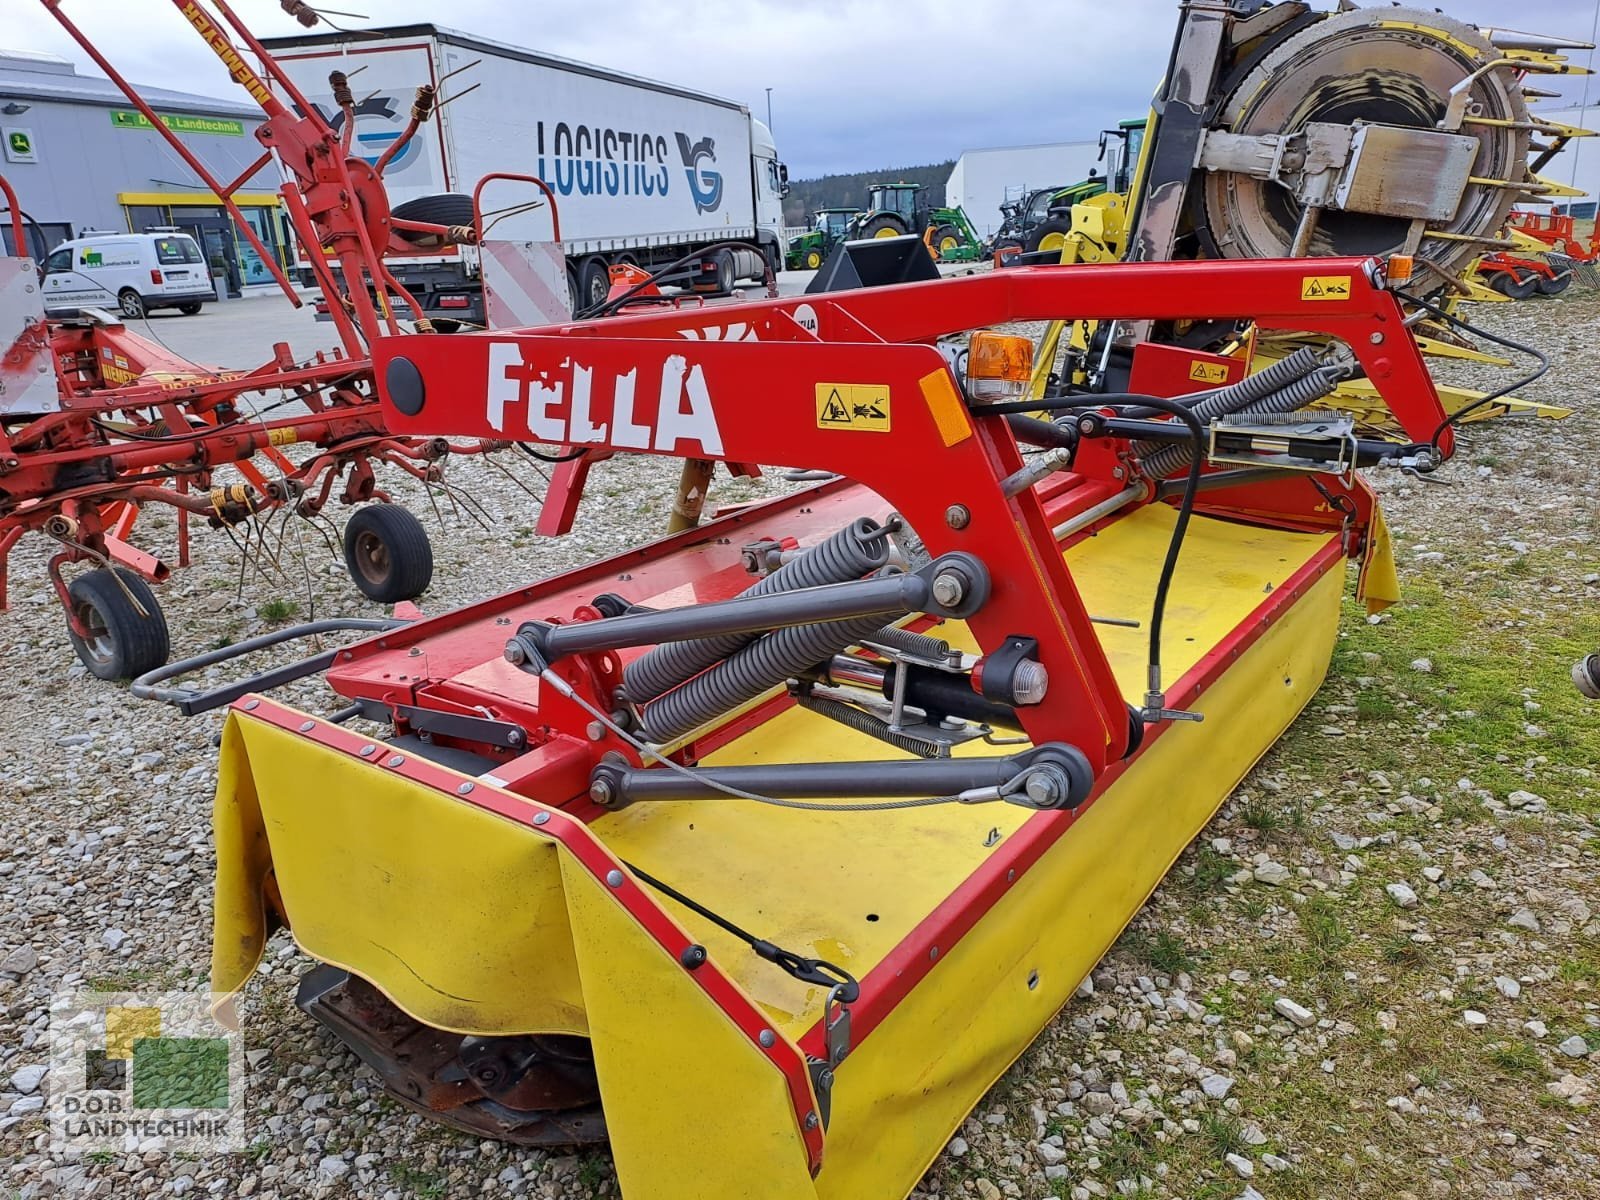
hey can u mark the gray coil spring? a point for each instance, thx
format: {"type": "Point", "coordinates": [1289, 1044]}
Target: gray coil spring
{"type": "Point", "coordinates": [870, 724]}
{"type": "Point", "coordinates": [859, 548]}
{"type": "Point", "coordinates": [744, 675]}
{"type": "Point", "coordinates": [1285, 386]}
{"type": "Point", "coordinates": [918, 645]}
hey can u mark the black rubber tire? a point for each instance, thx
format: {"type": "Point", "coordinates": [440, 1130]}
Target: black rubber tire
{"type": "Point", "coordinates": [942, 234]}
{"type": "Point", "coordinates": [594, 282]}
{"type": "Point", "coordinates": [1521, 289]}
{"type": "Point", "coordinates": [1055, 225]}
{"type": "Point", "coordinates": [387, 553]}
{"type": "Point", "coordinates": [446, 208]}
{"type": "Point", "coordinates": [876, 226]}
{"type": "Point", "coordinates": [1004, 244]}
{"type": "Point", "coordinates": [1554, 287]}
{"type": "Point", "coordinates": [130, 304]}
{"type": "Point", "coordinates": [725, 275]}
{"type": "Point", "coordinates": [191, 308]}
{"type": "Point", "coordinates": [124, 644]}
{"type": "Point", "coordinates": [813, 260]}
{"type": "Point", "coordinates": [572, 287]}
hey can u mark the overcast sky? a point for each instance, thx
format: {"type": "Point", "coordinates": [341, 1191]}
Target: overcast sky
{"type": "Point", "coordinates": [855, 85]}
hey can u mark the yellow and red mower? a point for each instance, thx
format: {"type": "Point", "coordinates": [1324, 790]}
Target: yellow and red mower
{"type": "Point", "coordinates": [762, 850]}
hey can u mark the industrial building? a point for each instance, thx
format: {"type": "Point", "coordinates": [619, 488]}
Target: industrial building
{"type": "Point", "coordinates": [82, 157]}
{"type": "Point", "coordinates": [982, 179]}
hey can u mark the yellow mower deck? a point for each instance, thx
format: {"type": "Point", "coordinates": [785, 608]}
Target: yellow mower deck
{"type": "Point", "coordinates": [968, 926]}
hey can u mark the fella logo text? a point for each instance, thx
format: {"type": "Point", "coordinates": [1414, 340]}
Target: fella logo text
{"type": "Point", "coordinates": [666, 407]}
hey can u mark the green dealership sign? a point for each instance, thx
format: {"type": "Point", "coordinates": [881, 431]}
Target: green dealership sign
{"type": "Point", "coordinates": [124, 118]}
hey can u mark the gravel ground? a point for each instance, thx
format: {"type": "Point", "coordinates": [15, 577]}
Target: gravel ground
{"type": "Point", "coordinates": [1376, 973]}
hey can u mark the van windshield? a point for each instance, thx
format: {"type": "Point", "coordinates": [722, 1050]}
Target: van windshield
{"type": "Point", "coordinates": [176, 250]}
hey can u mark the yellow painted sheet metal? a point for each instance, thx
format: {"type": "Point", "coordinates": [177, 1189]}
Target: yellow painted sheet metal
{"type": "Point", "coordinates": [670, 1062]}
{"type": "Point", "coordinates": [907, 1086]}
{"type": "Point", "coordinates": [387, 878]}
{"type": "Point", "coordinates": [848, 887]}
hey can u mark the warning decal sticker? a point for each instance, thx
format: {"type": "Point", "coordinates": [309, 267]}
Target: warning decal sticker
{"type": "Point", "coordinates": [1325, 287]}
{"type": "Point", "coordinates": [859, 406]}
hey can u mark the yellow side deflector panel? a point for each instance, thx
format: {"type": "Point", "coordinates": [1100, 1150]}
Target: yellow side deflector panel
{"type": "Point", "coordinates": [390, 879]}
{"type": "Point", "coordinates": [670, 1061]}
{"type": "Point", "coordinates": [901, 1093]}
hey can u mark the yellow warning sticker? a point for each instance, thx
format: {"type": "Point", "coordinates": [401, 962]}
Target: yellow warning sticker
{"type": "Point", "coordinates": [1325, 287]}
{"type": "Point", "coordinates": [1208, 372]}
{"type": "Point", "coordinates": [859, 406]}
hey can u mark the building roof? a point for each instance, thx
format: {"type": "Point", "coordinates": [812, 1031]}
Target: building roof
{"type": "Point", "coordinates": [27, 75]}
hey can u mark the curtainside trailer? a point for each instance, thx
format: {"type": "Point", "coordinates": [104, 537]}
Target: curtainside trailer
{"type": "Point", "coordinates": [644, 173]}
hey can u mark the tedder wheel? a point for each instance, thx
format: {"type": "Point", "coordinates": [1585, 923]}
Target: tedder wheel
{"type": "Point", "coordinates": [1049, 236]}
{"type": "Point", "coordinates": [1553, 286]}
{"type": "Point", "coordinates": [387, 552]}
{"type": "Point", "coordinates": [130, 303]}
{"type": "Point", "coordinates": [1520, 289]}
{"type": "Point", "coordinates": [594, 282]}
{"type": "Point", "coordinates": [813, 260]}
{"type": "Point", "coordinates": [191, 308]}
{"type": "Point", "coordinates": [122, 641]}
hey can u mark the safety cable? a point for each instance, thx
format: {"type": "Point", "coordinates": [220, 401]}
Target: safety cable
{"type": "Point", "coordinates": [649, 751]}
{"type": "Point", "coordinates": [808, 970]}
{"type": "Point", "coordinates": [1456, 322]}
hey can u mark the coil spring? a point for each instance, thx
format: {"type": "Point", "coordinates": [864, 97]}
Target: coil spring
{"type": "Point", "coordinates": [850, 553]}
{"type": "Point", "coordinates": [744, 675]}
{"type": "Point", "coordinates": [918, 645]}
{"type": "Point", "coordinates": [870, 724]}
{"type": "Point", "coordinates": [1287, 385]}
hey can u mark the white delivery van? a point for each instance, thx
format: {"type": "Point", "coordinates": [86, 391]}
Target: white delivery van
{"type": "Point", "coordinates": [131, 273]}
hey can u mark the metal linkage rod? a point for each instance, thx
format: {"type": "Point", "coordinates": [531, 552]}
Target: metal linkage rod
{"type": "Point", "coordinates": [954, 585]}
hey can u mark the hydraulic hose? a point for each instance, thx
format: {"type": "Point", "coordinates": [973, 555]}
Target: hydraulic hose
{"type": "Point", "coordinates": [857, 549]}
{"type": "Point", "coordinates": [1295, 382]}
{"type": "Point", "coordinates": [744, 675]}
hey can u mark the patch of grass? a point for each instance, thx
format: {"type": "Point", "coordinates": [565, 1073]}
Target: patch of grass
{"type": "Point", "coordinates": [278, 609]}
{"type": "Point", "coordinates": [1583, 969]}
{"type": "Point", "coordinates": [1326, 936]}
{"type": "Point", "coordinates": [424, 1185]}
{"type": "Point", "coordinates": [1211, 872]}
{"type": "Point", "coordinates": [1374, 706]}
{"type": "Point", "coordinates": [592, 1172]}
{"type": "Point", "coordinates": [102, 1156]}
{"type": "Point", "coordinates": [1515, 1058]}
{"type": "Point", "coordinates": [1260, 814]}
{"type": "Point", "coordinates": [1401, 952]}
{"type": "Point", "coordinates": [1223, 1133]}
{"type": "Point", "coordinates": [1129, 1154]}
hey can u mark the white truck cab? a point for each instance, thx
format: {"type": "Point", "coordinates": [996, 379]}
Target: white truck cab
{"type": "Point", "coordinates": [131, 273]}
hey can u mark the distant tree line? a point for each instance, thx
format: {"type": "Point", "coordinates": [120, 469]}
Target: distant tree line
{"type": "Point", "coordinates": [850, 191]}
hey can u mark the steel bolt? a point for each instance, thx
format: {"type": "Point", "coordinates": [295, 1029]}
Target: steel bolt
{"type": "Point", "coordinates": [396, 761]}
{"type": "Point", "coordinates": [596, 731]}
{"type": "Point", "coordinates": [812, 1121]}
{"type": "Point", "coordinates": [464, 788]}
{"type": "Point", "coordinates": [307, 726]}
{"type": "Point", "coordinates": [768, 1038]}
{"type": "Point", "coordinates": [957, 516]}
{"type": "Point", "coordinates": [614, 878]}
{"type": "Point", "coordinates": [541, 818]}
{"type": "Point", "coordinates": [949, 589]}
{"type": "Point", "coordinates": [600, 792]}
{"type": "Point", "coordinates": [1376, 339]}
{"type": "Point", "coordinates": [367, 751]}
{"type": "Point", "coordinates": [1043, 788]}
{"type": "Point", "coordinates": [515, 654]}
{"type": "Point", "coordinates": [251, 705]}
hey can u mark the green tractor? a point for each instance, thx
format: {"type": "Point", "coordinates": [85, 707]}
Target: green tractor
{"type": "Point", "coordinates": [896, 209]}
{"type": "Point", "coordinates": [807, 252]}
{"type": "Point", "coordinates": [1040, 221]}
